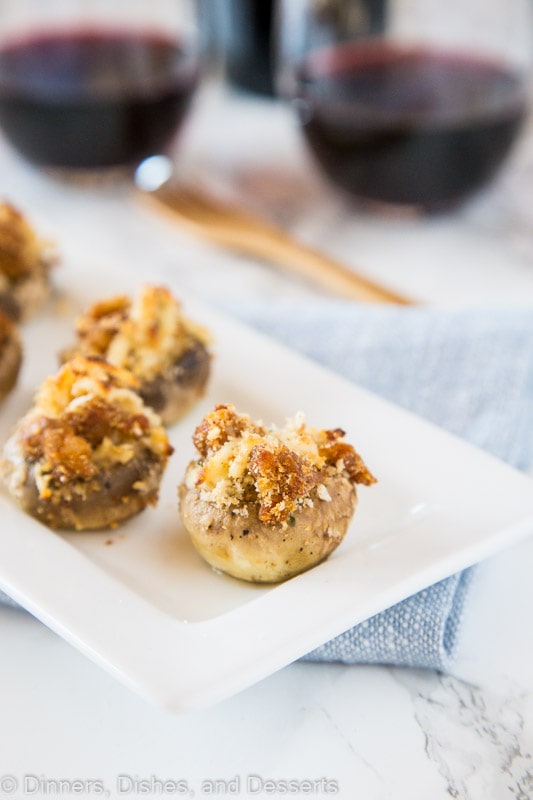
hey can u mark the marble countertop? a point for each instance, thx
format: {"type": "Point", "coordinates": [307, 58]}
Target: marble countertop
{"type": "Point", "coordinates": [376, 733]}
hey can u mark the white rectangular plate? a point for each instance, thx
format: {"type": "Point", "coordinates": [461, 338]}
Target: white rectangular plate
{"type": "Point", "coordinates": [140, 601]}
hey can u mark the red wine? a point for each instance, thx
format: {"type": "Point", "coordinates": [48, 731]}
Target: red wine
{"type": "Point", "coordinates": [93, 98]}
{"type": "Point", "coordinates": [408, 126]}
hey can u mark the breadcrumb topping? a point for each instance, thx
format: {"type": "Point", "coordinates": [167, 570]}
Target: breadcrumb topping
{"type": "Point", "coordinates": [242, 461]}
{"type": "Point", "coordinates": [85, 419]}
{"type": "Point", "coordinates": [8, 331]}
{"type": "Point", "coordinates": [144, 335]}
{"type": "Point", "coordinates": [22, 253]}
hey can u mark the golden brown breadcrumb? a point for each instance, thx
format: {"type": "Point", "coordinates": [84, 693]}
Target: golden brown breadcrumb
{"type": "Point", "coordinates": [282, 477]}
{"type": "Point", "coordinates": [18, 244]}
{"type": "Point", "coordinates": [143, 335]}
{"type": "Point", "coordinates": [220, 425]}
{"type": "Point", "coordinates": [242, 461]}
{"type": "Point", "coordinates": [25, 261]}
{"type": "Point", "coordinates": [7, 330]}
{"type": "Point", "coordinates": [85, 418]}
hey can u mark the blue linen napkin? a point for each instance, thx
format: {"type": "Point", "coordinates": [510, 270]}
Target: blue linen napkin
{"type": "Point", "coordinates": [6, 600]}
{"type": "Point", "coordinates": [470, 372]}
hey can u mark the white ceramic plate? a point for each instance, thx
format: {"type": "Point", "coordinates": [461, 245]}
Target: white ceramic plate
{"type": "Point", "coordinates": [140, 602]}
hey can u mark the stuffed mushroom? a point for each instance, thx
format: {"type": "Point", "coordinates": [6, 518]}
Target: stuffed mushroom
{"type": "Point", "coordinates": [266, 504]}
{"type": "Point", "coordinates": [10, 355]}
{"type": "Point", "coordinates": [89, 454]}
{"type": "Point", "coordinates": [151, 337]}
{"type": "Point", "coordinates": [25, 263]}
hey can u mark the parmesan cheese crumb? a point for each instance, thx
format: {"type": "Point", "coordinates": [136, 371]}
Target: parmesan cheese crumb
{"type": "Point", "coordinates": [323, 493]}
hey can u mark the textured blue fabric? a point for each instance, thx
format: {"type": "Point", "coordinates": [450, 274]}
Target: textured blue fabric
{"type": "Point", "coordinates": [421, 631]}
{"type": "Point", "coordinates": [470, 372]}
{"type": "Point", "coordinates": [4, 598]}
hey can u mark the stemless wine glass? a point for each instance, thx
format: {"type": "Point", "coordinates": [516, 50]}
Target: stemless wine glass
{"type": "Point", "coordinates": [93, 84]}
{"type": "Point", "coordinates": [407, 102]}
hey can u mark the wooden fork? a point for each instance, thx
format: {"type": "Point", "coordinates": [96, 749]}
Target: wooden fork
{"type": "Point", "coordinates": [247, 233]}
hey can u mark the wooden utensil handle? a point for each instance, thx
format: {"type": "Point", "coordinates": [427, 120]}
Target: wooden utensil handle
{"type": "Point", "coordinates": [270, 243]}
{"type": "Point", "coordinates": [249, 234]}
{"type": "Point", "coordinates": [319, 268]}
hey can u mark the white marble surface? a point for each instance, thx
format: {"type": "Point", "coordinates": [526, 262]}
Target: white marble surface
{"type": "Point", "coordinates": [373, 732]}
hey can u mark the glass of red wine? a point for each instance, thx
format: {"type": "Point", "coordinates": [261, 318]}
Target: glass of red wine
{"type": "Point", "coordinates": [95, 84]}
{"type": "Point", "coordinates": [409, 103]}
